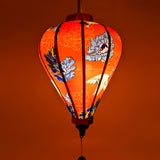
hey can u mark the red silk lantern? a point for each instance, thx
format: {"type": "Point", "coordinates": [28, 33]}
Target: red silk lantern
{"type": "Point", "coordinates": [80, 57]}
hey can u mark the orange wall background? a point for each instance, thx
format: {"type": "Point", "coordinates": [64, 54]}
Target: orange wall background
{"type": "Point", "coordinates": [35, 124]}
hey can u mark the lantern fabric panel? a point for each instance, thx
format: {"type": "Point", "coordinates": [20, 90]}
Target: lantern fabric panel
{"type": "Point", "coordinates": [115, 53]}
{"type": "Point", "coordinates": [69, 45]}
{"type": "Point", "coordinates": [96, 40]}
{"type": "Point", "coordinates": [49, 60]}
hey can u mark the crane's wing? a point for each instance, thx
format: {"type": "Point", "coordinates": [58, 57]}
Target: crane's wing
{"type": "Point", "coordinates": [96, 79]}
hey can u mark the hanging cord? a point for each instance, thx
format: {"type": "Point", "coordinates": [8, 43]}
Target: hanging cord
{"type": "Point", "coordinates": [81, 157]}
{"type": "Point", "coordinates": [79, 6]}
{"type": "Point", "coordinates": [81, 147]}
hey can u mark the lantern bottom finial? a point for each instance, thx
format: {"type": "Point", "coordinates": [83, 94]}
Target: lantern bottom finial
{"type": "Point", "coordinates": [82, 129]}
{"type": "Point", "coordinates": [82, 124]}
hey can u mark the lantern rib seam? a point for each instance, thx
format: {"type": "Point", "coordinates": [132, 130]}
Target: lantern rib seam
{"type": "Point", "coordinates": [61, 71]}
{"type": "Point", "coordinates": [49, 73]}
{"type": "Point", "coordinates": [105, 66]}
{"type": "Point", "coordinates": [84, 65]}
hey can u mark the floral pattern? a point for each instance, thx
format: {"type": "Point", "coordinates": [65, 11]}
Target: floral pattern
{"type": "Point", "coordinates": [93, 109]}
{"type": "Point", "coordinates": [66, 65]}
{"type": "Point", "coordinates": [99, 48]}
{"type": "Point", "coordinates": [70, 107]}
{"type": "Point", "coordinates": [68, 68]}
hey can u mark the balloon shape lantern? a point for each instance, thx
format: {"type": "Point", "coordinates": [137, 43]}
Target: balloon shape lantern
{"type": "Point", "coordinates": [80, 57]}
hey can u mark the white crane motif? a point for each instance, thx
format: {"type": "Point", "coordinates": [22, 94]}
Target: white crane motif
{"type": "Point", "coordinates": [96, 79]}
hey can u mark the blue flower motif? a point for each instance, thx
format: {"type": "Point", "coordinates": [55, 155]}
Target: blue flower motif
{"type": "Point", "coordinates": [67, 66]}
{"type": "Point", "coordinates": [99, 48]}
{"type": "Point", "coordinates": [70, 107]}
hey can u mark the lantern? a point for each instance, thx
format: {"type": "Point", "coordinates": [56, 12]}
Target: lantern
{"type": "Point", "coordinates": [80, 57]}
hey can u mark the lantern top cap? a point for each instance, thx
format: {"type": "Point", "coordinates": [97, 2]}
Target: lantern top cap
{"type": "Point", "coordinates": [79, 16]}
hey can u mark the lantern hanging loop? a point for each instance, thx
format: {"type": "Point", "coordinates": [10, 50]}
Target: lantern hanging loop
{"type": "Point", "coordinates": [79, 6]}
